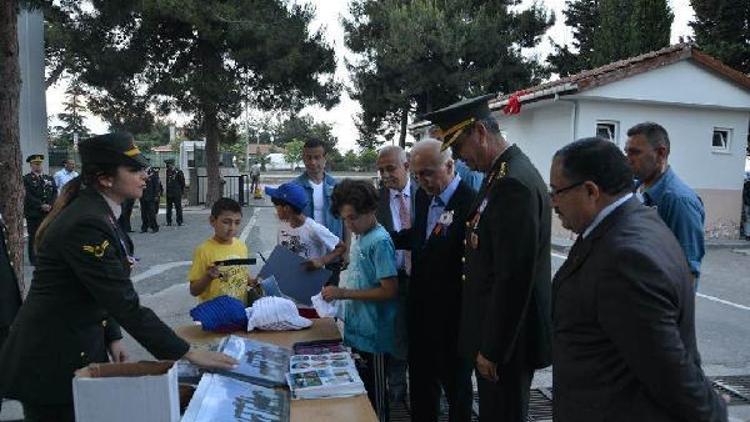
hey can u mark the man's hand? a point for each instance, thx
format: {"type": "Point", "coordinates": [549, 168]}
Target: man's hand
{"type": "Point", "coordinates": [117, 351]}
{"type": "Point", "coordinates": [46, 207]}
{"type": "Point", "coordinates": [332, 292]}
{"type": "Point", "coordinates": [313, 264]}
{"type": "Point", "coordinates": [487, 369]}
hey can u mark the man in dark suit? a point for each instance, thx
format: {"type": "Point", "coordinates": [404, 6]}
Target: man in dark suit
{"type": "Point", "coordinates": [434, 301]}
{"type": "Point", "coordinates": [395, 212]}
{"type": "Point", "coordinates": [505, 324]}
{"type": "Point", "coordinates": [623, 302]}
{"type": "Point", "coordinates": [10, 295]}
{"type": "Point", "coordinates": [175, 189]}
{"type": "Point", "coordinates": [150, 201]}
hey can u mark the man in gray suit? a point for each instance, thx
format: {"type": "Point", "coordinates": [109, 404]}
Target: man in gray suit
{"type": "Point", "coordinates": [623, 307]}
{"type": "Point", "coordinates": [395, 213]}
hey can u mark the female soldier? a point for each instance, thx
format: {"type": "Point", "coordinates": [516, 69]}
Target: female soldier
{"type": "Point", "coordinates": [81, 290]}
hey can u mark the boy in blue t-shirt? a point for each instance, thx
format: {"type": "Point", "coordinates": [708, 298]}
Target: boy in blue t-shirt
{"type": "Point", "coordinates": [372, 288]}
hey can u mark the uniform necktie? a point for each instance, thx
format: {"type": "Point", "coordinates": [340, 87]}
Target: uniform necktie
{"type": "Point", "coordinates": [404, 216]}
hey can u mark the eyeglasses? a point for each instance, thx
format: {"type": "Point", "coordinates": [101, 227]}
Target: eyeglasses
{"type": "Point", "coordinates": [554, 192]}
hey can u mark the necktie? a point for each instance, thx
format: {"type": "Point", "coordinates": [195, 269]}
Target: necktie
{"type": "Point", "coordinates": [404, 216]}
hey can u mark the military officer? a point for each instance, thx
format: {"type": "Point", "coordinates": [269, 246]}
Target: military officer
{"type": "Point", "coordinates": [41, 193]}
{"type": "Point", "coordinates": [81, 291]}
{"type": "Point", "coordinates": [505, 319]}
{"type": "Point", "coordinates": [150, 201]}
{"type": "Point", "coordinates": [175, 188]}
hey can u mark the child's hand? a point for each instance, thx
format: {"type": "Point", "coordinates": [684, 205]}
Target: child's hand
{"type": "Point", "coordinates": [213, 272]}
{"type": "Point", "coordinates": [314, 264]}
{"type": "Point", "coordinates": [251, 282]}
{"type": "Point", "coordinates": [332, 292]}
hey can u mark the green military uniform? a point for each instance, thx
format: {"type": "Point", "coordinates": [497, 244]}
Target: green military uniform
{"type": "Point", "coordinates": [40, 190]}
{"type": "Point", "coordinates": [506, 283]}
{"type": "Point", "coordinates": [80, 295]}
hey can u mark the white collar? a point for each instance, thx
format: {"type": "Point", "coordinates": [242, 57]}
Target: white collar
{"type": "Point", "coordinates": [604, 213]}
{"type": "Point", "coordinates": [114, 206]}
{"type": "Point", "coordinates": [406, 191]}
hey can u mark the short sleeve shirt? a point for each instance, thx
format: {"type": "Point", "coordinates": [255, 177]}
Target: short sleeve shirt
{"type": "Point", "coordinates": [369, 325]}
{"type": "Point", "coordinates": [310, 240]}
{"type": "Point", "coordinates": [234, 277]}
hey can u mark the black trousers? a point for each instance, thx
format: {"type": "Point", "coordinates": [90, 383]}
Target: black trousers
{"type": "Point", "coordinates": [508, 399]}
{"type": "Point", "coordinates": [48, 413]}
{"type": "Point", "coordinates": [177, 202]}
{"type": "Point", "coordinates": [149, 210]}
{"type": "Point", "coordinates": [433, 368]}
{"type": "Point", "coordinates": [127, 211]}
{"type": "Point", "coordinates": [372, 368]}
{"type": "Point", "coordinates": [32, 225]}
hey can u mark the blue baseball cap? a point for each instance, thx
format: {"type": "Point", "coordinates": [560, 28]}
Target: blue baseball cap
{"type": "Point", "coordinates": [291, 193]}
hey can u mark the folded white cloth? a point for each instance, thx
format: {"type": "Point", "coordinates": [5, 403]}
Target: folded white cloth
{"type": "Point", "coordinates": [323, 308]}
{"type": "Point", "coordinates": [275, 314]}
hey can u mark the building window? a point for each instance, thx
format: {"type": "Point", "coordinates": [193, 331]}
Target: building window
{"type": "Point", "coordinates": [607, 130]}
{"type": "Point", "coordinates": [721, 139]}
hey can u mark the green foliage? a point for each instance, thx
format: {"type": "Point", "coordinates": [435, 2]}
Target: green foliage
{"type": "Point", "coordinates": [293, 154]}
{"type": "Point", "coordinates": [158, 135]}
{"type": "Point", "coordinates": [419, 55]}
{"type": "Point", "coordinates": [367, 160]}
{"type": "Point", "coordinates": [350, 160]}
{"type": "Point", "coordinates": [200, 57]}
{"type": "Point", "coordinates": [72, 119]}
{"type": "Point", "coordinates": [608, 30]}
{"type": "Point", "coordinates": [304, 128]}
{"type": "Point", "coordinates": [722, 29]}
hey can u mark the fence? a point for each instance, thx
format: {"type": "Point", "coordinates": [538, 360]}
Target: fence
{"type": "Point", "coordinates": [235, 187]}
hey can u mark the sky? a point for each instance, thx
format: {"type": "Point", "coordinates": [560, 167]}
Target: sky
{"type": "Point", "coordinates": [341, 117]}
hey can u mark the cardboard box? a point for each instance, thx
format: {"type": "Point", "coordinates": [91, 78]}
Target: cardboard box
{"type": "Point", "coordinates": [127, 392]}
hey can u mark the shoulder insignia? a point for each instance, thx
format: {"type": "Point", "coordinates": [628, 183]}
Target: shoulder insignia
{"type": "Point", "coordinates": [97, 250]}
{"type": "Point", "coordinates": [502, 171]}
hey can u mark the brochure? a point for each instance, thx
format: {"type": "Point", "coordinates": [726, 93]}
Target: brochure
{"type": "Point", "coordinates": [260, 363]}
{"type": "Point", "coordinates": [324, 376]}
{"type": "Point", "coordinates": [220, 398]}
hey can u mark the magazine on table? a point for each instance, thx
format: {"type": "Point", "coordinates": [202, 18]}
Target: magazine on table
{"type": "Point", "coordinates": [324, 376]}
{"type": "Point", "coordinates": [220, 398]}
{"type": "Point", "coordinates": [259, 363]}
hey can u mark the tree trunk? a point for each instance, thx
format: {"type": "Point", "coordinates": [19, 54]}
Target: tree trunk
{"type": "Point", "coordinates": [11, 200]}
{"type": "Point", "coordinates": [404, 124]}
{"type": "Point", "coordinates": [214, 189]}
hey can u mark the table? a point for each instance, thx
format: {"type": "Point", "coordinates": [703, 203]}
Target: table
{"type": "Point", "coordinates": [354, 409]}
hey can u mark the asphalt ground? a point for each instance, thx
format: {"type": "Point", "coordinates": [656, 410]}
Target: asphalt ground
{"type": "Point", "coordinates": [160, 277]}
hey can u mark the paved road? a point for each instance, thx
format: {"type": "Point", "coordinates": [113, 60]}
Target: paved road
{"type": "Point", "coordinates": [722, 312]}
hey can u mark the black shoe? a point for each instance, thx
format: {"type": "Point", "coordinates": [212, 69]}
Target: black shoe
{"type": "Point", "coordinates": [144, 230]}
{"type": "Point", "coordinates": [155, 229]}
{"type": "Point", "coordinates": [179, 224]}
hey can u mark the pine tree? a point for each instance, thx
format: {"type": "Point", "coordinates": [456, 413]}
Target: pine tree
{"type": "Point", "coordinates": [608, 30]}
{"type": "Point", "coordinates": [72, 119]}
{"type": "Point", "coordinates": [722, 29]}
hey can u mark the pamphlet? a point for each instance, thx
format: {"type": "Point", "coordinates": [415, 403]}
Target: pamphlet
{"type": "Point", "coordinates": [260, 363]}
{"type": "Point", "coordinates": [220, 398]}
{"type": "Point", "coordinates": [324, 376]}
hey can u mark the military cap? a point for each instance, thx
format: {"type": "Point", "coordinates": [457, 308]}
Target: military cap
{"type": "Point", "coordinates": [112, 148]}
{"type": "Point", "coordinates": [35, 158]}
{"type": "Point", "coordinates": [455, 118]}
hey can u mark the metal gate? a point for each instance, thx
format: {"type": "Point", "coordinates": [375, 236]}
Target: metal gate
{"type": "Point", "coordinates": [235, 187]}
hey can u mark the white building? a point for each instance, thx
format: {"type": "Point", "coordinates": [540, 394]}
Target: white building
{"type": "Point", "coordinates": [702, 103]}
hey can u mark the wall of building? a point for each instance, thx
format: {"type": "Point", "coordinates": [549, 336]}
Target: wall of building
{"type": "Point", "coordinates": [33, 107]}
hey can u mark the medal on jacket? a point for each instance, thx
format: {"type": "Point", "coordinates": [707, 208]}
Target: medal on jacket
{"type": "Point", "coordinates": [473, 236]}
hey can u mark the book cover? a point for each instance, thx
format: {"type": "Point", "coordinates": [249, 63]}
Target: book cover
{"type": "Point", "coordinates": [260, 363]}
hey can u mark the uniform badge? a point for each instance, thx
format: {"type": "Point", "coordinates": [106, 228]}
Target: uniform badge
{"type": "Point", "coordinates": [97, 250]}
{"type": "Point", "coordinates": [474, 240]}
{"type": "Point", "coordinates": [444, 221]}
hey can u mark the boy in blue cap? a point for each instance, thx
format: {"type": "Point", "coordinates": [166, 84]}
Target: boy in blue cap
{"type": "Point", "coordinates": [301, 234]}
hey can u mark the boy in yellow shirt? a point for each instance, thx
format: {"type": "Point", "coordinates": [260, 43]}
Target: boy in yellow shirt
{"type": "Point", "coordinates": [207, 280]}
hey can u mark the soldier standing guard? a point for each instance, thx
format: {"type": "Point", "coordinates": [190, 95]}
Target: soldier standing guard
{"type": "Point", "coordinates": [41, 193]}
{"type": "Point", "coordinates": [150, 201]}
{"type": "Point", "coordinates": [175, 188]}
{"type": "Point", "coordinates": [505, 312]}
